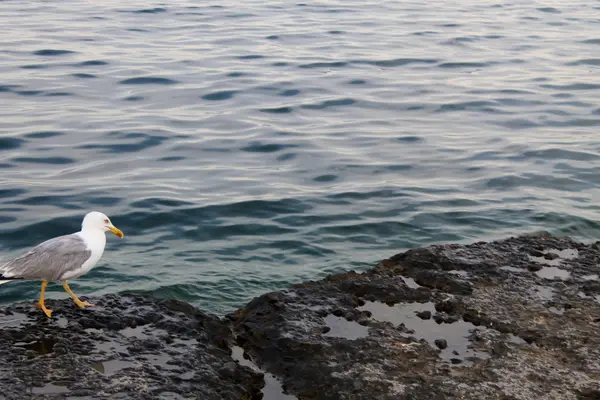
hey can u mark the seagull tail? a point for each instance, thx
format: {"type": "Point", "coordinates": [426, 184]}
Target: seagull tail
{"type": "Point", "coordinates": [6, 279]}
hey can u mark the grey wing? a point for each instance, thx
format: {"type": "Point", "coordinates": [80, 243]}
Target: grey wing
{"type": "Point", "coordinates": [49, 260]}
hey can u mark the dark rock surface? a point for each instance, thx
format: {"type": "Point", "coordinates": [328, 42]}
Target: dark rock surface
{"type": "Point", "coordinates": [127, 347]}
{"type": "Point", "coordinates": [512, 331]}
{"type": "Point", "coordinates": [508, 320]}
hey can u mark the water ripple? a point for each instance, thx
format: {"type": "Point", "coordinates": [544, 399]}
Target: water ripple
{"type": "Point", "coordinates": [150, 11]}
{"type": "Point", "coordinates": [44, 160]}
{"type": "Point", "coordinates": [92, 63]}
{"type": "Point", "coordinates": [43, 134]}
{"type": "Point", "coordinates": [10, 143]}
{"type": "Point", "coordinates": [84, 76]}
{"type": "Point", "coordinates": [245, 146]}
{"type": "Point", "coordinates": [148, 80]}
{"type": "Point", "coordinates": [266, 148]}
{"type": "Point", "coordinates": [329, 103]}
{"type": "Point", "coordinates": [52, 52]}
{"type": "Point", "coordinates": [141, 141]}
{"type": "Point", "coordinates": [222, 95]}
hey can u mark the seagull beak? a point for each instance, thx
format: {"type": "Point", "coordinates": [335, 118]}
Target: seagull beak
{"type": "Point", "coordinates": [116, 231]}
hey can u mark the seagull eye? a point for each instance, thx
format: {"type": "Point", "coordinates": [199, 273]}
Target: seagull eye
{"type": "Point", "coordinates": [106, 221]}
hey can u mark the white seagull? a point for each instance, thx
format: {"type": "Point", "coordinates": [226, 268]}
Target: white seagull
{"type": "Point", "coordinates": [62, 258]}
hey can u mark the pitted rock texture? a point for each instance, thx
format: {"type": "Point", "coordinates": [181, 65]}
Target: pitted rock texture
{"type": "Point", "coordinates": [518, 319]}
{"type": "Point", "coordinates": [127, 347]}
{"type": "Point", "coordinates": [508, 320]}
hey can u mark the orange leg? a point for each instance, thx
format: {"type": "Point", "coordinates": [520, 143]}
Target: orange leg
{"type": "Point", "coordinates": [80, 304]}
{"type": "Point", "coordinates": [40, 303]}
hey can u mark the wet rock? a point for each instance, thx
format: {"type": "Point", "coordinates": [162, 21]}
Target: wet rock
{"type": "Point", "coordinates": [443, 281]}
{"type": "Point", "coordinates": [534, 267]}
{"type": "Point", "coordinates": [475, 324]}
{"type": "Point", "coordinates": [536, 253]}
{"type": "Point", "coordinates": [495, 335]}
{"type": "Point", "coordinates": [125, 347]}
{"type": "Point", "coordinates": [589, 394]}
{"type": "Point", "coordinates": [551, 256]}
{"type": "Point", "coordinates": [424, 314]}
{"type": "Point", "coordinates": [449, 305]}
{"type": "Point", "coordinates": [438, 318]}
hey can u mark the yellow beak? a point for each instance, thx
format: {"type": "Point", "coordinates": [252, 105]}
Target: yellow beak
{"type": "Point", "coordinates": [116, 231]}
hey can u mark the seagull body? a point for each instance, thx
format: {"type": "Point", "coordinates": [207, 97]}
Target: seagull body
{"type": "Point", "coordinates": [63, 258]}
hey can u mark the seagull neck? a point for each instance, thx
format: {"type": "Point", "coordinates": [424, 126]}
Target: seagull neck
{"type": "Point", "coordinates": [96, 235]}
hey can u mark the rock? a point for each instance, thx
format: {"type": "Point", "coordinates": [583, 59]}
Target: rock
{"type": "Point", "coordinates": [495, 327]}
{"type": "Point", "coordinates": [473, 329]}
{"type": "Point", "coordinates": [126, 347]}
{"type": "Point", "coordinates": [534, 267]}
{"type": "Point", "coordinates": [448, 305]}
{"type": "Point", "coordinates": [551, 256]}
{"type": "Point", "coordinates": [536, 253]}
{"type": "Point", "coordinates": [424, 314]}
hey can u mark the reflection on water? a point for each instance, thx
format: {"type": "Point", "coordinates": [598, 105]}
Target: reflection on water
{"type": "Point", "coordinates": [457, 347]}
{"type": "Point", "coordinates": [340, 327]}
{"type": "Point", "coordinates": [272, 389]}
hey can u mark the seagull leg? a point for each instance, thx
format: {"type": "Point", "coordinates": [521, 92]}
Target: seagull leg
{"type": "Point", "coordinates": [40, 303]}
{"type": "Point", "coordinates": [80, 304]}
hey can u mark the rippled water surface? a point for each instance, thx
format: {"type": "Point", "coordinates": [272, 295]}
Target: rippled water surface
{"type": "Point", "coordinates": [244, 146]}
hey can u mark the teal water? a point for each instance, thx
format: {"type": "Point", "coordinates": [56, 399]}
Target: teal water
{"type": "Point", "coordinates": [245, 146]}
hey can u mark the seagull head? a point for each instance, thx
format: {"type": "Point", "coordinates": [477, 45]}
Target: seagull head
{"type": "Point", "coordinates": [98, 220]}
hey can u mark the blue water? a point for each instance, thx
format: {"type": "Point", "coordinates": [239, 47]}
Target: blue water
{"type": "Point", "coordinates": [244, 146]}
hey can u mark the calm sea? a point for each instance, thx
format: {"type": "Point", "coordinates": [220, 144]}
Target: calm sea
{"type": "Point", "coordinates": [245, 146]}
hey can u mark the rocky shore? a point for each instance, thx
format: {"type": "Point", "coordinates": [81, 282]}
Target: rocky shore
{"type": "Point", "coordinates": [506, 320]}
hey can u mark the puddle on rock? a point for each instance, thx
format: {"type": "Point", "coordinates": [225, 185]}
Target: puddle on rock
{"type": "Point", "coordinates": [516, 340]}
{"type": "Point", "coordinates": [110, 346]}
{"type": "Point", "coordinates": [62, 322]}
{"type": "Point", "coordinates": [456, 334]}
{"type": "Point", "coordinates": [553, 272]}
{"type": "Point", "coordinates": [542, 260]}
{"type": "Point", "coordinates": [42, 347]}
{"type": "Point", "coordinates": [410, 282]}
{"type": "Point", "coordinates": [137, 332]}
{"type": "Point", "coordinates": [186, 376]}
{"type": "Point", "coordinates": [272, 389]}
{"type": "Point", "coordinates": [51, 388]}
{"type": "Point", "coordinates": [12, 320]}
{"type": "Point", "coordinates": [111, 366]}
{"type": "Point", "coordinates": [170, 396]}
{"type": "Point", "coordinates": [160, 360]}
{"type": "Point", "coordinates": [567, 254]}
{"type": "Point", "coordinates": [340, 327]}
{"type": "Point", "coordinates": [543, 292]}
{"type": "Point", "coordinates": [513, 269]}
{"type": "Point", "coordinates": [185, 343]}
{"type": "Point", "coordinates": [556, 310]}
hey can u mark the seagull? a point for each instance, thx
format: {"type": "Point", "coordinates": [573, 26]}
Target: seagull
{"type": "Point", "coordinates": [62, 258]}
